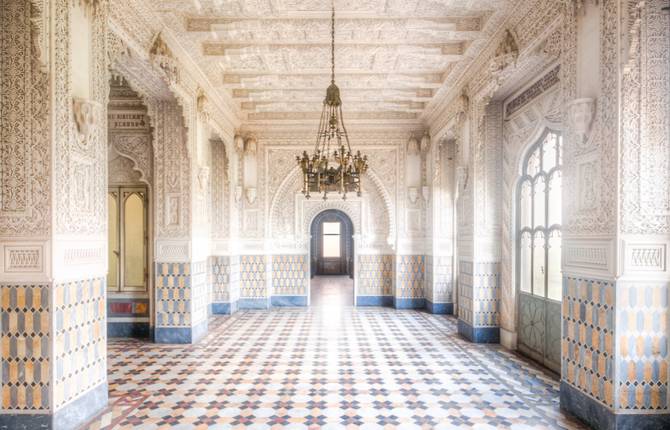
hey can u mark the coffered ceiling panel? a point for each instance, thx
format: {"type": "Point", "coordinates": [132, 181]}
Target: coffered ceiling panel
{"type": "Point", "coordinates": [272, 57]}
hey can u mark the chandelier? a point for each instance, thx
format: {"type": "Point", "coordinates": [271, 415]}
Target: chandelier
{"type": "Point", "coordinates": [332, 167]}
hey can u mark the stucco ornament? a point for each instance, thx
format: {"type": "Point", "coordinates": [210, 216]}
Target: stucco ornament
{"type": "Point", "coordinates": [413, 146]}
{"type": "Point", "coordinates": [239, 143]}
{"type": "Point", "coordinates": [251, 146]}
{"type": "Point", "coordinates": [425, 142]}
{"type": "Point", "coordinates": [581, 113]}
{"type": "Point", "coordinates": [412, 194]}
{"type": "Point", "coordinates": [84, 116]}
{"type": "Point", "coordinates": [250, 193]}
{"type": "Point", "coordinates": [162, 56]}
{"type": "Point", "coordinates": [506, 55]}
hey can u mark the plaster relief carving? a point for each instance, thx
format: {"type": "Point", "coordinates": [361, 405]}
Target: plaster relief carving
{"type": "Point", "coordinates": [85, 116]}
{"type": "Point", "coordinates": [506, 54]}
{"type": "Point", "coordinates": [162, 56]}
{"type": "Point", "coordinates": [581, 113]}
{"type": "Point", "coordinates": [23, 259]}
{"type": "Point", "coordinates": [250, 193]}
{"type": "Point", "coordinates": [413, 194]}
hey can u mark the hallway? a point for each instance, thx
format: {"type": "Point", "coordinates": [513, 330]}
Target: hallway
{"type": "Point", "coordinates": [332, 291]}
{"type": "Point", "coordinates": [375, 367]}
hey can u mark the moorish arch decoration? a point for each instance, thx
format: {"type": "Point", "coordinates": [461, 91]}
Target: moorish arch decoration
{"type": "Point", "coordinates": [285, 221]}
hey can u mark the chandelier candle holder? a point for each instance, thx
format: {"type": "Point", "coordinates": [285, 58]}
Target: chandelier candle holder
{"type": "Point", "coordinates": [333, 167]}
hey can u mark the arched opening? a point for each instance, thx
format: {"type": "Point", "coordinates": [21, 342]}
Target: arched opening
{"type": "Point", "coordinates": [332, 258]}
{"type": "Point", "coordinates": [539, 279]}
{"type": "Point", "coordinates": [129, 204]}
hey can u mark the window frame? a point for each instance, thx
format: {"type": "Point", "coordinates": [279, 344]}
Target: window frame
{"type": "Point", "coordinates": [338, 235]}
{"type": "Point", "coordinates": [547, 230]}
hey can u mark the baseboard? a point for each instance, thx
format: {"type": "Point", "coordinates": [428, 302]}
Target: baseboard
{"type": "Point", "coordinates": [479, 334]}
{"type": "Point", "coordinates": [288, 301]}
{"type": "Point", "coordinates": [440, 308]}
{"type": "Point", "coordinates": [386, 301]}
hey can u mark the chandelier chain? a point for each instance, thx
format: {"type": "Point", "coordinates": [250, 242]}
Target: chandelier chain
{"type": "Point", "coordinates": [333, 167]}
{"type": "Point", "coordinates": [332, 44]}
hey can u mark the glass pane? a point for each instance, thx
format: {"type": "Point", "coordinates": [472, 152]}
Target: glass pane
{"type": "Point", "coordinates": [133, 257]}
{"type": "Point", "coordinates": [526, 205]}
{"type": "Point", "coordinates": [538, 264]}
{"type": "Point", "coordinates": [555, 198]}
{"type": "Point", "coordinates": [555, 282]}
{"type": "Point", "coordinates": [539, 202]}
{"type": "Point", "coordinates": [113, 244]}
{"type": "Point", "coordinates": [533, 166]}
{"type": "Point", "coordinates": [524, 263]}
{"type": "Point", "coordinates": [331, 228]}
{"type": "Point", "coordinates": [549, 152]}
{"type": "Point", "coordinates": [331, 246]}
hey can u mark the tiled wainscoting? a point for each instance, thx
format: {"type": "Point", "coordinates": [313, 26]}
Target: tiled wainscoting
{"type": "Point", "coordinates": [479, 301]}
{"type": "Point", "coordinates": [615, 353]}
{"type": "Point", "coordinates": [54, 354]}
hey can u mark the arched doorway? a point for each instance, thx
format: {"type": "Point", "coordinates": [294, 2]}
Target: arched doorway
{"type": "Point", "coordinates": [332, 258]}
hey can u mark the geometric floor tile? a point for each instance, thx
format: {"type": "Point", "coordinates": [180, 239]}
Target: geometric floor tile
{"type": "Point", "coordinates": [373, 368]}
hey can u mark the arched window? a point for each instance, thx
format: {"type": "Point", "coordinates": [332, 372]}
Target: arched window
{"type": "Point", "coordinates": [538, 256]}
{"type": "Point", "coordinates": [539, 219]}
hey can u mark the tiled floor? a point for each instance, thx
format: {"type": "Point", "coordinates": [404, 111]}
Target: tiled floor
{"type": "Point", "coordinates": [331, 291]}
{"type": "Point", "coordinates": [327, 368]}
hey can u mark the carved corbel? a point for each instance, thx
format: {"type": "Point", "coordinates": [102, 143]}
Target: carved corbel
{"type": "Point", "coordinates": [251, 146]}
{"type": "Point", "coordinates": [250, 193]}
{"type": "Point", "coordinates": [506, 54]}
{"type": "Point", "coordinates": [425, 142]}
{"type": "Point", "coordinates": [581, 113]}
{"type": "Point", "coordinates": [239, 143]}
{"type": "Point", "coordinates": [162, 56]}
{"type": "Point", "coordinates": [413, 194]}
{"type": "Point", "coordinates": [202, 103]}
{"type": "Point", "coordinates": [412, 146]}
{"type": "Point", "coordinates": [85, 116]}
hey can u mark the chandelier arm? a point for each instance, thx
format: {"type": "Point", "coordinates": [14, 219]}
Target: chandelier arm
{"type": "Point", "coordinates": [344, 129]}
{"type": "Point", "coordinates": [321, 127]}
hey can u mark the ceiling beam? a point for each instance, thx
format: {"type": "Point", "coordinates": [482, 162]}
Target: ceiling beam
{"type": "Point", "coordinates": [212, 48]}
{"type": "Point", "coordinates": [214, 23]}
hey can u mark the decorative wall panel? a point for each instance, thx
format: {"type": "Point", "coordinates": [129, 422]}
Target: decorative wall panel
{"type": "Point", "coordinates": [173, 294]}
{"type": "Point", "coordinates": [80, 352]}
{"type": "Point", "coordinates": [26, 347]}
{"type": "Point", "coordinates": [439, 285]}
{"type": "Point", "coordinates": [172, 188]}
{"type": "Point", "coordinates": [252, 277]}
{"type": "Point", "coordinates": [411, 270]}
{"type": "Point", "coordinates": [375, 275]}
{"type": "Point", "coordinates": [199, 292]}
{"type": "Point", "coordinates": [486, 295]}
{"type": "Point", "coordinates": [642, 342]}
{"type": "Point", "coordinates": [289, 275]}
{"type": "Point", "coordinates": [588, 337]}
{"type": "Point", "coordinates": [465, 292]}
{"type": "Point", "coordinates": [24, 129]}
{"type": "Point", "coordinates": [220, 278]}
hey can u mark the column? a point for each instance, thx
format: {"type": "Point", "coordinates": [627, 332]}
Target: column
{"type": "Point", "coordinates": [615, 268]}
{"type": "Point", "coordinates": [479, 214]}
{"type": "Point", "coordinates": [53, 220]}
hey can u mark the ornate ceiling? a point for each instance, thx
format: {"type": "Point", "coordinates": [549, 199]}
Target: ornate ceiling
{"type": "Point", "coordinates": [272, 57]}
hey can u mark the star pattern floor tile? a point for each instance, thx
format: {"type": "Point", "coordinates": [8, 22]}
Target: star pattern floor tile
{"type": "Point", "coordinates": [373, 368]}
